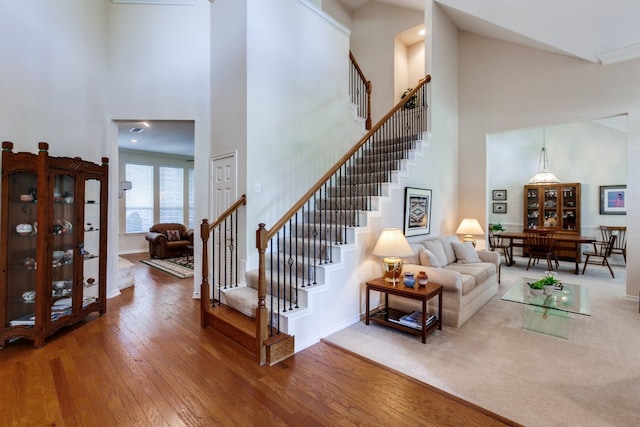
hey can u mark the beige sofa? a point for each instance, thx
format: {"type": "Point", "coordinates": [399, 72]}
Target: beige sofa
{"type": "Point", "coordinates": [469, 277]}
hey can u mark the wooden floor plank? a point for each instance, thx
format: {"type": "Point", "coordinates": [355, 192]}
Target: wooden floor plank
{"type": "Point", "coordinates": [147, 362]}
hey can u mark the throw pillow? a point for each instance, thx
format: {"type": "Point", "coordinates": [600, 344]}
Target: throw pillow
{"type": "Point", "coordinates": [436, 248]}
{"type": "Point", "coordinates": [428, 259]}
{"type": "Point", "coordinates": [447, 242]}
{"type": "Point", "coordinates": [173, 235]}
{"type": "Point", "coordinates": [466, 253]}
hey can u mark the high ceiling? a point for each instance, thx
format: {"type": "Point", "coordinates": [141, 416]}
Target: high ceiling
{"type": "Point", "coordinates": [605, 31]}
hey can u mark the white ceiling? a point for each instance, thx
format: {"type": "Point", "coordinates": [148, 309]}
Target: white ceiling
{"type": "Point", "coordinates": [173, 137]}
{"type": "Point", "coordinates": [605, 31]}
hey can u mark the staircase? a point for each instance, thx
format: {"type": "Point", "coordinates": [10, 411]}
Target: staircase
{"type": "Point", "coordinates": [303, 258]}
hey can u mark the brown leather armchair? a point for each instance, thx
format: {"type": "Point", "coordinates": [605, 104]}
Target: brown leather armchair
{"type": "Point", "coordinates": [164, 242]}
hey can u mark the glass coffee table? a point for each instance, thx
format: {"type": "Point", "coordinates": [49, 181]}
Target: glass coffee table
{"type": "Point", "coordinates": [549, 314]}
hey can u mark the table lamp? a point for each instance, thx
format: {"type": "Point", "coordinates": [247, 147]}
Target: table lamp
{"type": "Point", "coordinates": [391, 246]}
{"type": "Point", "coordinates": [469, 227]}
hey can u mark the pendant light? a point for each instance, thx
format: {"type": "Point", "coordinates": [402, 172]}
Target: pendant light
{"type": "Point", "coordinates": [544, 176]}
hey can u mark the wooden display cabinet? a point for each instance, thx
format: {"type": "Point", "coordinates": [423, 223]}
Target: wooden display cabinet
{"type": "Point", "coordinates": [555, 207]}
{"type": "Point", "coordinates": [53, 260]}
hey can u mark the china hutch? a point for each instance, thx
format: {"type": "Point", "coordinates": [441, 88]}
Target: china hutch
{"type": "Point", "coordinates": [54, 242]}
{"type": "Point", "coordinates": [556, 207]}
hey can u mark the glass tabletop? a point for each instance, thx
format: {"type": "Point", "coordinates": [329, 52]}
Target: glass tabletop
{"type": "Point", "coordinates": [571, 298]}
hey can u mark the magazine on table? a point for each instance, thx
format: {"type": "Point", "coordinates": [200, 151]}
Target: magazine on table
{"type": "Point", "coordinates": [413, 319]}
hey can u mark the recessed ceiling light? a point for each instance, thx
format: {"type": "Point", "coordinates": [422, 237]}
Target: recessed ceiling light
{"type": "Point", "coordinates": [136, 130]}
{"type": "Point", "coordinates": [421, 32]}
{"type": "Point", "coordinates": [145, 124]}
{"type": "Point", "coordinates": [133, 141]}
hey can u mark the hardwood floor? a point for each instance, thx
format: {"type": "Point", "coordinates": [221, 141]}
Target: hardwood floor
{"type": "Point", "coordinates": [147, 362]}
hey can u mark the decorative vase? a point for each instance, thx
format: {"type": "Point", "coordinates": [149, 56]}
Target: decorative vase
{"type": "Point", "coordinates": [423, 279]}
{"type": "Point", "coordinates": [409, 280]}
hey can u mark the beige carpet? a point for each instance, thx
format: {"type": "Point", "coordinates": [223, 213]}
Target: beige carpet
{"type": "Point", "coordinates": [591, 379]}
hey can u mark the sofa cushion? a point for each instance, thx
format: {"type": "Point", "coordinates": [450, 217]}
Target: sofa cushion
{"type": "Point", "coordinates": [173, 235]}
{"type": "Point", "coordinates": [479, 272]}
{"type": "Point", "coordinates": [465, 253]}
{"type": "Point", "coordinates": [427, 258]}
{"type": "Point", "coordinates": [447, 245]}
{"type": "Point", "coordinates": [435, 246]}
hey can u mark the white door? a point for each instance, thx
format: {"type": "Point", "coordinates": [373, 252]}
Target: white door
{"type": "Point", "coordinates": [223, 188]}
{"type": "Point", "coordinates": [223, 177]}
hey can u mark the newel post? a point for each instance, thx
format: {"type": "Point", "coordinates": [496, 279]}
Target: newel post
{"type": "Point", "coordinates": [205, 298]}
{"type": "Point", "coordinates": [262, 314]}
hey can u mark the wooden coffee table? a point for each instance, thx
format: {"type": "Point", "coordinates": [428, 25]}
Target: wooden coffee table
{"type": "Point", "coordinates": [420, 293]}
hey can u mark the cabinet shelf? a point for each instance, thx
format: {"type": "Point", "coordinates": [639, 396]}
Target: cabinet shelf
{"type": "Point", "coordinates": [555, 207]}
{"type": "Point", "coordinates": [51, 261]}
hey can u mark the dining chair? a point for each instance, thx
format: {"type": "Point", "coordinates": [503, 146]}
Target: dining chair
{"type": "Point", "coordinates": [620, 245]}
{"type": "Point", "coordinates": [497, 243]}
{"type": "Point", "coordinates": [601, 251]}
{"type": "Point", "coordinates": [541, 245]}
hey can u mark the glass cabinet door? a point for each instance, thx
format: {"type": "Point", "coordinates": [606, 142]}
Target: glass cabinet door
{"type": "Point", "coordinates": [533, 207]}
{"type": "Point", "coordinates": [63, 246]}
{"type": "Point", "coordinates": [550, 207]}
{"type": "Point", "coordinates": [569, 207]}
{"type": "Point", "coordinates": [21, 250]}
{"type": "Point", "coordinates": [90, 247]}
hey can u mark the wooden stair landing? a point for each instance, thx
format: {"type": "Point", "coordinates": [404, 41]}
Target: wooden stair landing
{"type": "Point", "coordinates": [241, 329]}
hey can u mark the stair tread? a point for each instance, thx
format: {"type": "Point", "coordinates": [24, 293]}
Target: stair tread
{"type": "Point", "coordinates": [245, 324]}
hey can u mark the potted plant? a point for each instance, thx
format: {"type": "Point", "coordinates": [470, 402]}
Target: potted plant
{"type": "Point", "coordinates": [496, 227]}
{"type": "Point", "coordinates": [545, 285]}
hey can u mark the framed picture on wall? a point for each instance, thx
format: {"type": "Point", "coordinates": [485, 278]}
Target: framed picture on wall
{"type": "Point", "coordinates": [613, 199]}
{"type": "Point", "coordinates": [417, 211]}
{"type": "Point", "coordinates": [500, 208]}
{"type": "Point", "coordinates": [499, 194]}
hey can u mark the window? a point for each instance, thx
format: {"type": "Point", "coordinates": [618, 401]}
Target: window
{"type": "Point", "coordinates": [171, 182]}
{"type": "Point", "coordinates": [139, 200]}
{"type": "Point", "coordinates": [192, 200]}
{"type": "Point", "coordinates": [160, 193]}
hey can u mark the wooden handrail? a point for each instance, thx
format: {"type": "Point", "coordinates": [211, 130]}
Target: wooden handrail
{"type": "Point", "coordinates": [298, 205]}
{"type": "Point", "coordinates": [241, 201]}
{"type": "Point", "coordinates": [368, 86]}
{"type": "Point", "coordinates": [357, 67]}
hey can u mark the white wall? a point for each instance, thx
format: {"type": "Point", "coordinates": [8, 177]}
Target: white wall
{"type": "Point", "coordinates": [298, 117]}
{"type": "Point", "coordinates": [159, 62]}
{"type": "Point", "coordinates": [584, 152]}
{"type": "Point", "coordinates": [53, 76]}
{"type": "Point", "coordinates": [373, 30]}
{"type": "Point", "coordinates": [504, 86]}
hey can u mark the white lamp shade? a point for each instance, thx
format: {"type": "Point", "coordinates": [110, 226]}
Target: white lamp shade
{"type": "Point", "coordinates": [470, 226]}
{"type": "Point", "coordinates": [392, 243]}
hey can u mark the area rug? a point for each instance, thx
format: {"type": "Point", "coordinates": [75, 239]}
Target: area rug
{"type": "Point", "coordinates": [178, 267]}
{"type": "Point", "coordinates": [590, 379]}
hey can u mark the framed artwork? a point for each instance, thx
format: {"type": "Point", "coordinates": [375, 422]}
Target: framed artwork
{"type": "Point", "coordinates": [499, 194]}
{"type": "Point", "coordinates": [417, 211]}
{"type": "Point", "coordinates": [613, 199]}
{"type": "Point", "coordinates": [500, 208]}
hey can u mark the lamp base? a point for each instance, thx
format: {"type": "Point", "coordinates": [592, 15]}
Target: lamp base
{"type": "Point", "coordinates": [469, 238]}
{"type": "Point", "coordinates": [392, 269]}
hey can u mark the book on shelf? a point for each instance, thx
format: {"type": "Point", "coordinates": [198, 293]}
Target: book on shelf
{"type": "Point", "coordinates": [26, 320]}
{"type": "Point", "coordinates": [414, 319]}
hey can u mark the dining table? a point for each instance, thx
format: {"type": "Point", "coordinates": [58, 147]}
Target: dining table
{"type": "Point", "coordinates": [569, 239]}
